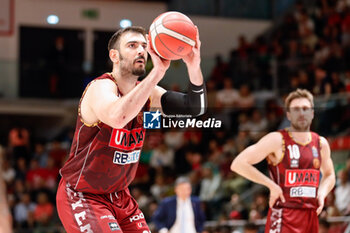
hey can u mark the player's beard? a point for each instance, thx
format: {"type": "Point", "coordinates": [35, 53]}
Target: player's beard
{"type": "Point", "coordinates": [301, 127]}
{"type": "Point", "coordinates": [137, 71]}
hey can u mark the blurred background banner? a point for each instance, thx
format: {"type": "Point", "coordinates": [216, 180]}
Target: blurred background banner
{"type": "Point", "coordinates": [6, 17]}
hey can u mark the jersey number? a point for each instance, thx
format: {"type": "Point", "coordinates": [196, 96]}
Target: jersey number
{"type": "Point", "coordinates": [294, 152]}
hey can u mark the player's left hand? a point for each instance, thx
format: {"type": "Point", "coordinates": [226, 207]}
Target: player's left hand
{"type": "Point", "coordinates": [320, 200]}
{"type": "Point", "coordinates": [158, 62]}
{"type": "Point", "coordinates": [193, 59]}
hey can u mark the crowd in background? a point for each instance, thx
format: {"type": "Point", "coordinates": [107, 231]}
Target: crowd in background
{"type": "Point", "coordinates": [310, 49]}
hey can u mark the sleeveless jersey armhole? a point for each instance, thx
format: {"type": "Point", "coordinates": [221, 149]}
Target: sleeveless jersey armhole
{"type": "Point", "coordinates": [283, 151]}
{"type": "Point", "coordinates": [79, 108]}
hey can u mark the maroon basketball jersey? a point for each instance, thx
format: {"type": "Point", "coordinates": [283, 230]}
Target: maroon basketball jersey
{"type": "Point", "coordinates": [298, 173]}
{"type": "Point", "coordinates": [103, 159]}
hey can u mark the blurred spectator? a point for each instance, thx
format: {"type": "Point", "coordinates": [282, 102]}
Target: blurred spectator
{"type": "Point", "coordinates": [19, 142]}
{"type": "Point", "coordinates": [194, 158]}
{"type": "Point", "coordinates": [342, 192]}
{"type": "Point", "coordinates": [244, 122]}
{"type": "Point", "coordinates": [293, 57]}
{"type": "Point", "coordinates": [220, 70]}
{"type": "Point", "coordinates": [330, 208]}
{"type": "Point", "coordinates": [43, 212]}
{"type": "Point", "coordinates": [306, 30]}
{"type": "Point", "coordinates": [304, 80]}
{"type": "Point", "coordinates": [21, 169]}
{"type": "Point", "coordinates": [38, 177]}
{"type": "Point", "coordinates": [235, 208]}
{"type": "Point", "coordinates": [211, 192]}
{"type": "Point", "coordinates": [40, 154]}
{"type": "Point", "coordinates": [8, 172]}
{"type": "Point", "coordinates": [174, 138]}
{"type": "Point", "coordinates": [321, 52]}
{"type": "Point", "coordinates": [23, 211]}
{"type": "Point", "coordinates": [261, 203]}
{"type": "Point", "coordinates": [162, 156]}
{"type": "Point", "coordinates": [18, 189]}
{"type": "Point", "coordinates": [335, 85]}
{"type": "Point", "coordinates": [210, 184]}
{"type": "Point", "coordinates": [180, 213]}
{"type": "Point", "coordinates": [160, 188]}
{"type": "Point", "coordinates": [320, 81]}
{"type": "Point", "coordinates": [57, 153]}
{"type": "Point", "coordinates": [258, 125]}
{"type": "Point", "coordinates": [245, 99]}
{"type": "Point", "coordinates": [228, 96]}
{"type": "Point", "coordinates": [242, 140]}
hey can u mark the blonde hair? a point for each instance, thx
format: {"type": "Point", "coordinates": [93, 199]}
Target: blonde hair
{"type": "Point", "coordinates": [298, 93]}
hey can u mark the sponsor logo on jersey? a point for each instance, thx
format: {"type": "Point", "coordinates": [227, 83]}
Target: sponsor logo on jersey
{"type": "Point", "coordinates": [127, 139]}
{"type": "Point", "coordinates": [303, 192]}
{"type": "Point", "coordinates": [294, 163]}
{"type": "Point", "coordinates": [137, 217]}
{"type": "Point", "coordinates": [151, 120]}
{"type": "Point", "coordinates": [314, 151]}
{"type": "Point", "coordinates": [126, 158]}
{"type": "Point", "coordinates": [299, 177]}
{"type": "Point", "coordinates": [114, 226]}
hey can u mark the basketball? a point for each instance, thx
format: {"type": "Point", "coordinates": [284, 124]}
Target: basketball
{"type": "Point", "coordinates": [172, 35]}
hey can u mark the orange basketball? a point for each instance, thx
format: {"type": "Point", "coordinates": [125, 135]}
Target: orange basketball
{"type": "Point", "coordinates": [172, 35]}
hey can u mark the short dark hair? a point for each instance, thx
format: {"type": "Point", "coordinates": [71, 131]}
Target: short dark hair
{"type": "Point", "coordinates": [115, 39]}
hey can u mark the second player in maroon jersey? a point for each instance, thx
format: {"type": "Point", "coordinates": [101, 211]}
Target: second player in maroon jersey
{"type": "Point", "coordinates": [296, 158]}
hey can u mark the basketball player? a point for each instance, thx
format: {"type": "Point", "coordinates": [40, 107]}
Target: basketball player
{"type": "Point", "coordinates": [296, 156]}
{"type": "Point", "coordinates": [93, 194]}
{"type": "Point", "coordinates": [5, 216]}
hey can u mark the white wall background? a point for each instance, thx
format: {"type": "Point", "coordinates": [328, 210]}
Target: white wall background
{"type": "Point", "coordinates": [218, 35]}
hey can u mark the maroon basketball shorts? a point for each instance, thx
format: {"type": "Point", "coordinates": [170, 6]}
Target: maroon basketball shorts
{"type": "Point", "coordinates": [86, 212]}
{"type": "Point", "coordinates": [286, 220]}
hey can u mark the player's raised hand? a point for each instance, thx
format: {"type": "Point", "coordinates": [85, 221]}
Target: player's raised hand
{"type": "Point", "coordinates": [275, 194]}
{"type": "Point", "coordinates": [194, 57]}
{"type": "Point", "coordinates": [158, 62]}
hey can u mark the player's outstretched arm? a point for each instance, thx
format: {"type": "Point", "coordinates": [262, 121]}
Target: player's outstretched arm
{"type": "Point", "coordinates": [243, 163]}
{"type": "Point", "coordinates": [193, 60]}
{"type": "Point", "coordinates": [195, 101]}
{"type": "Point", "coordinates": [328, 176]}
